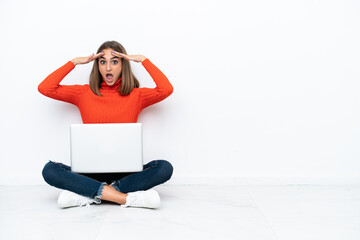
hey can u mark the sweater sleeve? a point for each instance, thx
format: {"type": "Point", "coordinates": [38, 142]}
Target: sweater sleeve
{"type": "Point", "coordinates": [162, 90]}
{"type": "Point", "coordinates": [50, 86]}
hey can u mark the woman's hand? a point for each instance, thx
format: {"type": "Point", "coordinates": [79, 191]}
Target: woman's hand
{"type": "Point", "coordinates": [84, 60]}
{"type": "Point", "coordinates": [135, 58]}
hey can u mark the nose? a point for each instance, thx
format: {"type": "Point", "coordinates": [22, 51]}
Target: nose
{"type": "Point", "coordinates": [108, 66]}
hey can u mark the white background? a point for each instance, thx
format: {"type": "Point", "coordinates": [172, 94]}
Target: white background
{"type": "Point", "coordinates": [264, 91]}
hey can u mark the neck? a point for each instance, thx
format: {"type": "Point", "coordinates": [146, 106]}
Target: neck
{"type": "Point", "coordinates": [113, 87]}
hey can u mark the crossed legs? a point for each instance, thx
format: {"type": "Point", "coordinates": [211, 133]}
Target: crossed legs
{"type": "Point", "coordinates": [154, 173]}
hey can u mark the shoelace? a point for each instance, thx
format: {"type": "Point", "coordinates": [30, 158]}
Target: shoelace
{"type": "Point", "coordinates": [84, 201]}
{"type": "Point", "coordinates": [133, 201]}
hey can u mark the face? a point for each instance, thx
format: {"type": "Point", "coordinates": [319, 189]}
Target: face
{"type": "Point", "coordinates": [109, 67]}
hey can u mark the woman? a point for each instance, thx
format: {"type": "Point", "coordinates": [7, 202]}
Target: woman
{"type": "Point", "coordinates": [112, 96]}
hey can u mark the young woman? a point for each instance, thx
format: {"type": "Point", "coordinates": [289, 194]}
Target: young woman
{"type": "Point", "coordinates": [112, 96]}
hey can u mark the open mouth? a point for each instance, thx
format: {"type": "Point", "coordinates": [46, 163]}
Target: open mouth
{"type": "Point", "coordinates": [109, 77]}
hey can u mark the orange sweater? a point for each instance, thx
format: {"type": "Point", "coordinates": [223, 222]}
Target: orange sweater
{"type": "Point", "coordinates": [111, 107]}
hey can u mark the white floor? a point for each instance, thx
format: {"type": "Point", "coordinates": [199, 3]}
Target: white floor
{"type": "Point", "coordinates": [189, 212]}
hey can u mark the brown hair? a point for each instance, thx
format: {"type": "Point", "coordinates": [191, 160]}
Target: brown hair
{"type": "Point", "coordinates": [128, 80]}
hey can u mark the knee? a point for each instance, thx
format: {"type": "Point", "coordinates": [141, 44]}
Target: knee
{"type": "Point", "coordinates": [165, 170]}
{"type": "Point", "coordinates": [49, 173]}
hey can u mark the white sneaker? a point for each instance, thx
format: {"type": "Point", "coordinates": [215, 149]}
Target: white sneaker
{"type": "Point", "coordinates": [144, 199]}
{"type": "Point", "coordinates": [70, 199]}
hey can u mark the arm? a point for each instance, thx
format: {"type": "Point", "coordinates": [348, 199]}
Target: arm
{"type": "Point", "coordinates": [51, 87]}
{"type": "Point", "coordinates": [163, 87]}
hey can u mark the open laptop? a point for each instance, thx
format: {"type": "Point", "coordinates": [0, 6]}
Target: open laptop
{"type": "Point", "coordinates": [106, 148]}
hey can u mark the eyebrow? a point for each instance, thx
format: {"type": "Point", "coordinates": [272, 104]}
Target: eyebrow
{"type": "Point", "coordinates": [110, 58]}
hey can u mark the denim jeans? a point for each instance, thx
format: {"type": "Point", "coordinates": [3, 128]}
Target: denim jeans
{"type": "Point", "coordinates": [91, 185]}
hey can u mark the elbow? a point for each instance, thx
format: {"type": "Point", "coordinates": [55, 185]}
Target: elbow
{"type": "Point", "coordinates": [170, 91]}
{"type": "Point", "coordinates": [166, 93]}
{"type": "Point", "coordinates": [41, 89]}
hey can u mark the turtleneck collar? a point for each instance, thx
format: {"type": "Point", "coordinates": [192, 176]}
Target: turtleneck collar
{"type": "Point", "coordinates": [114, 87]}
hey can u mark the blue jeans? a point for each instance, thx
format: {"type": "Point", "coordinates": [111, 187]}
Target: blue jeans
{"type": "Point", "coordinates": [59, 175]}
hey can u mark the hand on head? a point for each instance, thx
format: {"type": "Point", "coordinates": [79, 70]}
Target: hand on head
{"type": "Point", "coordinates": [135, 58]}
{"type": "Point", "coordinates": [84, 60]}
{"type": "Point", "coordinates": [92, 57]}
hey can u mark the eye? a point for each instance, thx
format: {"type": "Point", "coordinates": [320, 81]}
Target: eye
{"type": "Point", "coordinates": [115, 61]}
{"type": "Point", "coordinates": [102, 62]}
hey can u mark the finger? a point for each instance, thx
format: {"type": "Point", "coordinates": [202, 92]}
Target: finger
{"type": "Point", "coordinates": [120, 55]}
{"type": "Point", "coordinates": [95, 56]}
{"type": "Point", "coordinates": [99, 54]}
{"type": "Point", "coordinates": [90, 57]}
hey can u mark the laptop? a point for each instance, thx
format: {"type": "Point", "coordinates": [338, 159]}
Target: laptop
{"type": "Point", "coordinates": [106, 148]}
